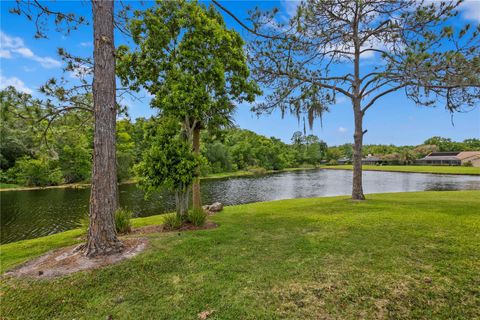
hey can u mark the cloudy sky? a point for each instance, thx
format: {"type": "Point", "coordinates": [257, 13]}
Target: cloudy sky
{"type": "Point", "coordinates": [27, 63]}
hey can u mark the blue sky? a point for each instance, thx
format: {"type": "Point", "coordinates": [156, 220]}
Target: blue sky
{"type": "Point", "coordinates": [27, 63]}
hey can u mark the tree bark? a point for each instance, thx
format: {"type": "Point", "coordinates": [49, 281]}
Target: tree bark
{"type": "Point", "coordinates": [357, 186]}
{"type": "Point", "coordinates": [181, 202]}
{"type": "Point", "coordinates": [102, 237]}
{"type": "Point", "coordinates": [196, 194]}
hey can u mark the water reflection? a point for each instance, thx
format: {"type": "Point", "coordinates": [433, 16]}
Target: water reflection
{"type": "Point", "coordinates": [30, 214]}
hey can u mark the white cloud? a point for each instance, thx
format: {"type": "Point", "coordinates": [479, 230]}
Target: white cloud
{"type": "Point", "coordinates": [11, 46]}
{"type": "Point", "coordinates": [47, 62]}
{"type": "Point", "coordinates": [24, 52]}
{"type": "Point", "coordinates": [470, 9]}
{"type": "Point", "coordinates": [5, 54]}
{"type": "Point", "coordinates": [86, 44]}
{"type": "Point", "coordinates": [341, 99]}
{"type": "Point", "coordinates": [291, 6]}
{"type": "Point", "coordinates": [342, 129]}
{"type": "Point", "coordinates": [28, 69]}
{"type": "Point", "coordinates": [10, 42]}
{"type": "Point", "coordinates": [14, 82]}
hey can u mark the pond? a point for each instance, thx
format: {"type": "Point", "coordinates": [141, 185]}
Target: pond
{"type": "Point", "coordinates": [31, 214]}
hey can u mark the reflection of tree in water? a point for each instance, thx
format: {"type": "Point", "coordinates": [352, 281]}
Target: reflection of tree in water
{"type": "Point", "coordinates": [443, 186]}
{"type": "Point", "coordinates": [452, 186]}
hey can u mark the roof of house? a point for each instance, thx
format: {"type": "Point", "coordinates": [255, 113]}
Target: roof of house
{"type": "Point", "coordinates": [468, 154]}
{"type": "Point", "coordinates": [452, 156]}
{"type": "Point", "coordinates": [443, 158]}
{"type": "Point", "coordinates": [442, 154]}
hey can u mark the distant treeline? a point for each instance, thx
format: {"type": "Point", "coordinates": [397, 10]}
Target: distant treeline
{"type": "Point", "coordinates": [404, 154]}
{"type": "Point", "coordinates": [60, 151]}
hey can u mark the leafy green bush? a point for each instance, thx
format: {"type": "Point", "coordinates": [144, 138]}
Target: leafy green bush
{"type": "Point", "coordinates": [197, 217]}
{"type": "Point", "coordinates": [5, 177]}
{"type": "Point", "coordinates": [37, 172]}
{"type": "Point", "coordinates": [74, 156]}
{"type": "Point", "coordinates": [122, 220]}
{"type": "Point", "coordinates": [172, 222]}
{"type": "Point", "coordinates": [468, 164]}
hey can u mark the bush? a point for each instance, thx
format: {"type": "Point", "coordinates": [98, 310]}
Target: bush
{"type": "Point", "coordinates": [37, 172]}
{"type": "Point", "coordinates": [332, 162]}
{"type": "Point", "coordinates": [122, 220]}
{"type": "Point", "coordinates": [468, 164]}
{"type": "Point", "coordinates": [197, 217]}
{"type": "Point", "coordinates": [75, 162]}
{"type": "Point", "coordinates": [172, 222]}
{"type": "Point", "coordinates": [5, 177]}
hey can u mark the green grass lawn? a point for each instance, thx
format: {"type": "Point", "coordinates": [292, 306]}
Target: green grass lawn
{"type": "Point", "coordinates": [397, 256]}
{"type": "Point", "coordinates": [9, 186]}
{"type": "Point", "coordinates": [418, 169]}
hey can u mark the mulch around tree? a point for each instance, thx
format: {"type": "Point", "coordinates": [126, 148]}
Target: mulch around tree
{"type": "Point", "coordinates": [67, 260]}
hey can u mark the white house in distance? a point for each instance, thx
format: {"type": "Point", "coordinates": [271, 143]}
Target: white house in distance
{"type": "Point", "coordinates": [451, 158]}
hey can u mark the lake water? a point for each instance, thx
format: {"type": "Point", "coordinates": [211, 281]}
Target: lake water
{"type": "Point", "coordinates": [31, 214]}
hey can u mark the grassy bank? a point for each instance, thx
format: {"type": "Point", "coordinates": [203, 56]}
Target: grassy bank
{"type": "Point", "coordinates": [9, 186]}
{"type": "Point", "coordinates": [415, 169]}
{"type": "Point", "coordinates": [404, 255]}
{"type": "Point", "coordinates": [16, 187]}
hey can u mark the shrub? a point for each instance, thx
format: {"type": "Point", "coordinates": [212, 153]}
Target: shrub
{"type": "Point", "coordinates": [37, 172]}
{"type": "Point", "coordinates": [122, 220]}
{"type": "Point", "coordinates": [5, 177]}
{"type": "Point", "coordinates": [332, 162]}
{"type": "Point", "coordinates": [75, 161]}
{"type": "Point", "coordinates": [172, 222]}
{"type": "Point", "coordinates": [197, 217]}
{"type": "Point", "coordinates": [468, 164]}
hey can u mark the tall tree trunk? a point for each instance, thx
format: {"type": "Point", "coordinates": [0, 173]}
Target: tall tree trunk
{"type": "Point", "coordinates": [102, 237]}
{"type": "Point", "coordinates": [357, 187]}
{"type": "Point", "coordinates": [196, 194]}
{"type": "Point", "coordinates": [181, 202]}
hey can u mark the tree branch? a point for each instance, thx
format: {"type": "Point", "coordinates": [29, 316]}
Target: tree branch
{"type": "Point", "coordinates": [381, 95]}
{"type": "Point", "coordinates": [244, 25]}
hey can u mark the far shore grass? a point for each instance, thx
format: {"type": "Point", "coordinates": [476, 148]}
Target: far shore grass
{"type": "Point", "coordinates": [415, 169]}
{"type": "Point", "coordinates": [393, 256]}
{"type": "Point", "coordinates": [9, 186]}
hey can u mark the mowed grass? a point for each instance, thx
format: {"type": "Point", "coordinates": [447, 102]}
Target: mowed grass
{"type": "Point", "coordinates": [398, 256]}
{"type": "Point", "coordinates": [9, 186]}
{"type": "Point", "coordinates": [415, 169]}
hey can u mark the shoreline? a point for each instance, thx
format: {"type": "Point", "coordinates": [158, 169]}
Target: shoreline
{"type": "Point", "coordinates": [134, 180]}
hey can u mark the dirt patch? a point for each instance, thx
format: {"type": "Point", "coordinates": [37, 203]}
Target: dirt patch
{"type": "Point", "coordinates": [68, 260]}
{"type": "Point", "coordinates": [185, 227]}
